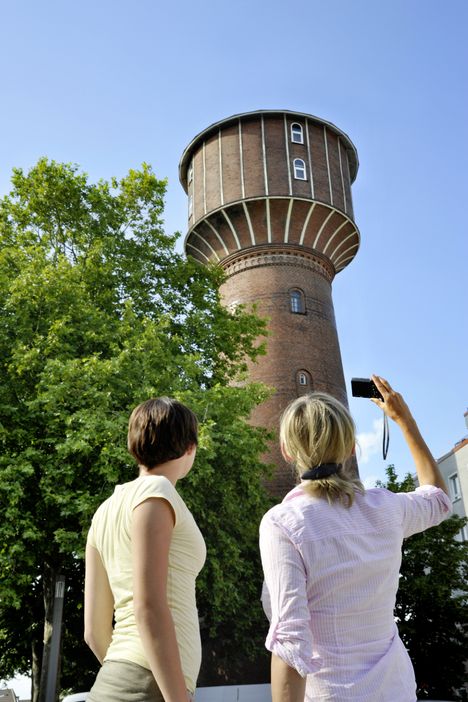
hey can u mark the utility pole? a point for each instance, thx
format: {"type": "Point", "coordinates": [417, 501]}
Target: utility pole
{"type": "Point", "coordinates": [52, 671]}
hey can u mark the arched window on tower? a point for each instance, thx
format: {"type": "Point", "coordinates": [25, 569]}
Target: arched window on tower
{"type": "Point", "coordinates": [297, 301]}
{"type": "Point", "coordinates": [297, 135]}
{"type": "Point", "coordinates": [303, 382]}
{"type": "Point", "coordinates": [299, 169]}
{"type": "Point", "coordinates": [190, 174]}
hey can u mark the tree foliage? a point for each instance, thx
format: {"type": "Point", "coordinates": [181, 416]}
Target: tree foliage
{"type": "Point", "coordinates": [99, 312]}
{"type": "Point", "coordinates": [431, 606]}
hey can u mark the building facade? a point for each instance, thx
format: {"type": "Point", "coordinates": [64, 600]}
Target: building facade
{"type": "Point", "coordinates": [270, 201]}
{"type": "Point", "coordinates": [454, 468]}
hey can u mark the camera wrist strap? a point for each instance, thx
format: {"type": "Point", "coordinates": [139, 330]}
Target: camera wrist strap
{"type": "Point", "coordinates": [386, 436]}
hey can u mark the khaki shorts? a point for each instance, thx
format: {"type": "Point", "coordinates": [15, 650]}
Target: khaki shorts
{"type": "Point", "coordinates": [123, 681]}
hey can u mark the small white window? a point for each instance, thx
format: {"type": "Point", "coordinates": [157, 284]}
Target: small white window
{"type": "Point", "coordinates": [296, 300]}
{"type": "Point", "coordinates": [303, 382]}
{"type": "Point", "coordinates": [454, 487]}
{"type": "Point", "coordinates": [297, 135]}
{"type": "Point", "coordinates": [190, 206]}
{"type": "Point", "coordinates": [190, 174]}
{"type": "Point", "coordinates": [299, 169]}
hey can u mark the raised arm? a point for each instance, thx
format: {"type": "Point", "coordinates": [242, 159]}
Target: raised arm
{"type": "Point", "coordinates": [152, 525]}
{"type": "Point", "coordinates": [396, 408]}
{"type": "Point", "coordinates": [99, 605]}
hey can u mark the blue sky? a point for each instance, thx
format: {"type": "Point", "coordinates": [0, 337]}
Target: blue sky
{"type": "Point", "coordinates": [109, 84]}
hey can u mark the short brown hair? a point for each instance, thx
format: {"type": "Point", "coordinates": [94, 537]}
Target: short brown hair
{"type": "Point", "coordinates": [160, 430]}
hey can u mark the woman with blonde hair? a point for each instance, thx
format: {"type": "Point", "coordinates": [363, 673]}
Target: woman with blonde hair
{"type": "Point", "coordinates": [331, 553]}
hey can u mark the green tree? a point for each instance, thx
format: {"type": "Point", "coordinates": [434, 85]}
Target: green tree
{"type": "Point", "coordinates": [431, 603]}
{"type": "Point", "coordinates": [99, 312]}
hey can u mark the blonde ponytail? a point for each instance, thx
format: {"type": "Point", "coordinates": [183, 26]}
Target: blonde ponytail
{"type": "Point", "coordinates": [317, 429]}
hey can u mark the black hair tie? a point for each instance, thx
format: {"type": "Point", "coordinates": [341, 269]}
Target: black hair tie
{"type": "Point", "coordinates": [321, 471]}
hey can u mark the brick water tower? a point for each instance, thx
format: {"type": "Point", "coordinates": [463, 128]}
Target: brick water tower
{"type": "Point", "coordinates": [270, 201]}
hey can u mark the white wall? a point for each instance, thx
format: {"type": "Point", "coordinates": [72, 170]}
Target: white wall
{"type": "Point", "coordinates": [234, 693]}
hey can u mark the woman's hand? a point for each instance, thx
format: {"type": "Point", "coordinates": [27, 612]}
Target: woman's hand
{"type": "Point", "coordinates": [393, 403]}
{"type": "Point", "coordinates": [396, 408]}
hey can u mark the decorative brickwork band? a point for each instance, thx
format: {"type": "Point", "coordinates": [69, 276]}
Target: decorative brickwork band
{"type": "Point", "coordinates": [271, 255]}
{"type": "Point", "coordinates": [278, 221]}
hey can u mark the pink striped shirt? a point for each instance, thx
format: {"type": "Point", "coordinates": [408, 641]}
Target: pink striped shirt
{"type": "Point", "coordinates": [331, 577]}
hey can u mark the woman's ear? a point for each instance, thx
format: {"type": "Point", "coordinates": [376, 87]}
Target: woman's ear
{"type": "Point", "coordinates": [191, 449]}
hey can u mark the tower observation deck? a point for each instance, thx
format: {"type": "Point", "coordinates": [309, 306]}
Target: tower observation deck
{"type": "Point", "coordinates": [270, 201]}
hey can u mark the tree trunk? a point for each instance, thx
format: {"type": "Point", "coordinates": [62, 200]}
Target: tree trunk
{"type": "Point", "coordinates": [36, 653]}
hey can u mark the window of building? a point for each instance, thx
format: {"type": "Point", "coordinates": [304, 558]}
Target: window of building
{"type": "Point", "coordinates": [190, 174]}
{"type": "Point", "coordinates": [190, 206]}
{"type": "Point", "coordinates": [462, 534]}
{"type": "Point", "coordinates": [297, 135]}
{"type": "Point", "coordinates": [303, 382]}
{"type": "Point", "coordinates": [299, 169]}
{"type": "Point", "coordinates": [297, 301]}
{"type": "Point", "coordinates": [454, 484]}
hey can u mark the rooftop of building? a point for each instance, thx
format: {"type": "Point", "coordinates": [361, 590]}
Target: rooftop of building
{"type": "Point", "coordinates": [459, 445]}
{"type": "Point", "coordinates": [187, 155]}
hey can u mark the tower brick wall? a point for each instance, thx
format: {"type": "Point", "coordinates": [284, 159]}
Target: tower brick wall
{"type": "Point", "coordinates": [281, 228]}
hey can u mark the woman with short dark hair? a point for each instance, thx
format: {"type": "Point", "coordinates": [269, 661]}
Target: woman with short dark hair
{"type": "Point", "coordinates": [143, 554]}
